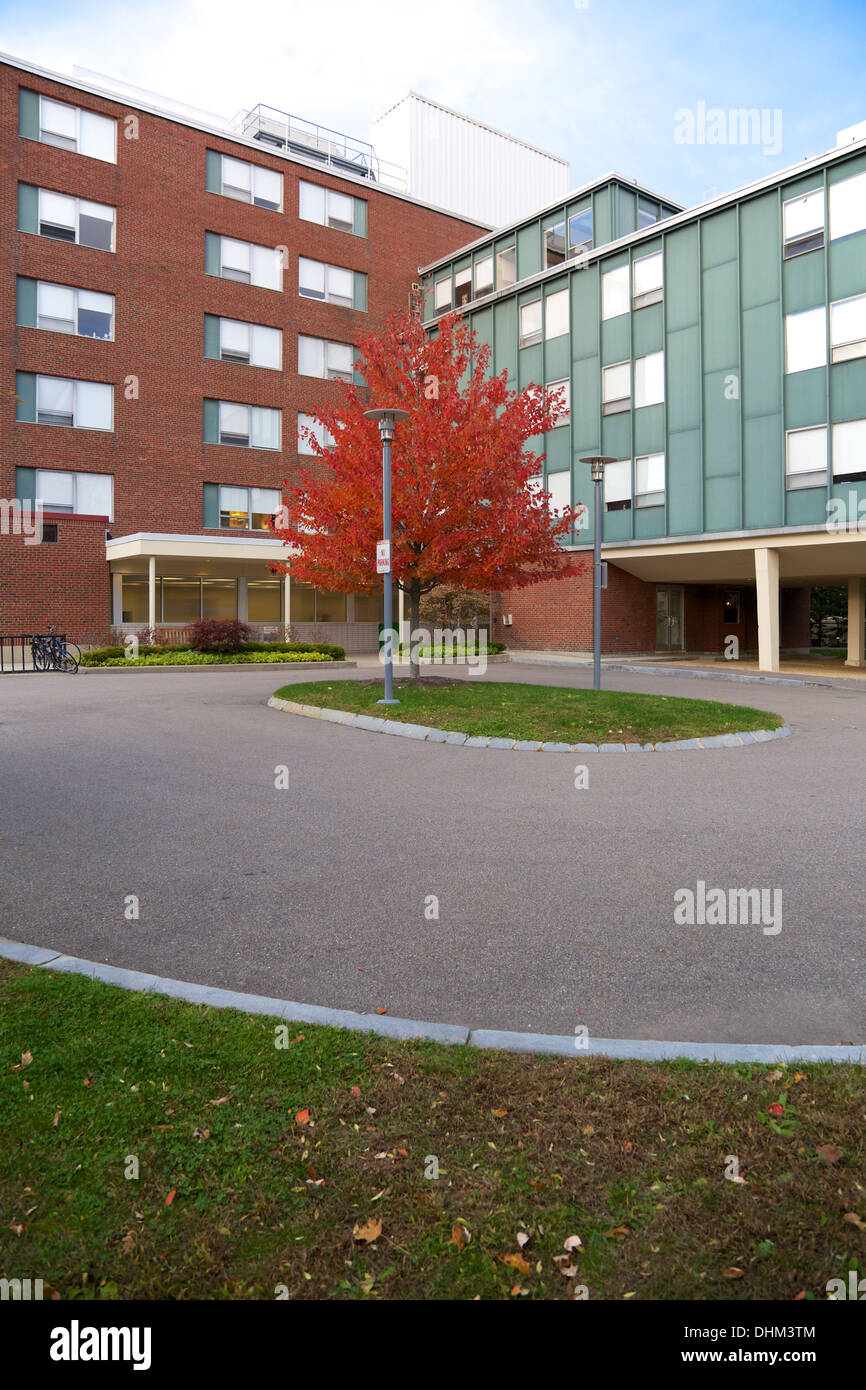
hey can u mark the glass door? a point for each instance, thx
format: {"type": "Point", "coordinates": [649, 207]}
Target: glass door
{"type": "Point", "coordinates": [669, 618]}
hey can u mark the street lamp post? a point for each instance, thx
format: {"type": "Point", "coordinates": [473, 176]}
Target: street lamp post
{"type": "Point", "coordinates": [596, 463]}
{"type": "Point", "coordinates": [387, 420]}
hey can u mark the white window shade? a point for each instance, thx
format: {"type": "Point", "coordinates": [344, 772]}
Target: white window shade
{"type": "Point", "coordinates": [649, 480]}
{"type": "Point", "coordinates": [268, 188]}
{"type": "Point", "coordinates": [237, 176]}
{"type": "Point", "coordinates": [804, 215]}
{"type": "Point", "coordinates": [57, 118]}
{"type": "Point", "coordinates": [340, 209]}
{"type": "Point", "coordinates": [234, 419]}
{"type": "Point", "coordinates": [848, 206]}
{"type": "Point", "coordinates": [56, 302]}
{"type": "Point", "coordinates": [614, 292]}
{"type": "Point", "coordinates": [849, 448]}
{"type": "Point", "coordinates": [96, 303]}
{"type": "Point", "coordinates": [563, 391]}
{"type": "Point", "coordinates": [616, 382]}
{"type": "Point", "coordinates": [556, 314]}
{"type": "Point", "coordinates": [807, 457]}
{"type": "Point", "coordinates": [234, 499]}
{"type": "Point", "coordinates": [649, 379]}
{"type": "Point", "coordinates": [311, 202]}
{"type": "Point", "coordinates": [93, 405]}
{"type": "Point", "coordinates": [267, 267]}
{"type": "Point", "coordinates": [806, 340]}
{"type": "Point", "coordinates": [55, 395]}
{"type": "Point", "coordinates": [55, 489]}
{"type": "Point", "coordinates": [311, 356]}
{"type": "Point", "coordinates": [340, 357]}
{"type": "Point", "coordinates": [267, 347]}
{"type": "Point", "coordinates": [617, 481]}
{"type": "Point", "coordinates": [442, 299]}
{"type": "Point", "coordinates": [235, 255]}
{"type": "Point", "coordinates": [648, 274]}
{"type": "Point", "coordinates": [265, 428]}
{"type": "Point", "coordinates": [559, 487]}
{"type": "Point", "coordinates": [484, 275]}
{"type": "Point", "coordinates": [340, 285]}
{"type": "Point", "coordinates": [93, 494]}
{"type": "Point", "coordinates": [311, 278]}
{"type": "Point", "coordinates": [848, 328]}
{"type": "Point", "coordinates": [235, 337]}
{"type": "Point", "coordinates": [530, 323]}
{"type": "Point", "coordinates": [56, 209]}
{"type": "Point", "coordinates": [97, 136]}
{"type": "Point", "coordinates": [264, 500]}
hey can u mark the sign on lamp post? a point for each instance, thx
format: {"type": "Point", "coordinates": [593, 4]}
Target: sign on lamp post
{"type": "Point", "coordinates": [386, 420]}
{"type": "Point", "coordinates": [599, 570]}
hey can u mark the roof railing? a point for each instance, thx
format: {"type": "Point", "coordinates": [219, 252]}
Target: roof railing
{"type": "Point", "coordinates": [342, 153]}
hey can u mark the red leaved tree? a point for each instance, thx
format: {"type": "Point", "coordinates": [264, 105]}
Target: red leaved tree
{"type": "Point", "coordinates": [462, 511]}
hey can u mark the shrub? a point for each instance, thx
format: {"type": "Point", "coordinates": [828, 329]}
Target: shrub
{"type": "Point", "coordinates": [336, 653]}
{"type": "Point", "coordinates": [218, 635]}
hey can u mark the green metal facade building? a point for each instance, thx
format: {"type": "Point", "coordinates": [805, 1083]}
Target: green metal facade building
{"type": "Point", "coordinates": [718, 354]}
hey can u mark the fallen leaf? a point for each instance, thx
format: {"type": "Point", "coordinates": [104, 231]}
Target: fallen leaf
{"type": "Point", "coordinates": [517, 1262]}
{"type": "Point", "coordinates": [776, 1108]}
{"type": "Point", "coordinates": [18, 1227]}
{"type": "Point", "coordinates": [26, 1059]}
{"type": "Point", "coordinates": [381, 1009]}
{"type": "Point", "coordinates": [129, 1243]}
{"type": "Point", "coordinates": [733, 1273]}
{"type": "Point", "coordinates": [855, 1220]}
{"type": "Point", "coordinates": [460, 1235]}
{"type": "Point", "coordinates": [572, 1243]}
{"type": "Point", "coordinates": [171, 1196]}
{"type": "Point", "coordinates": [370, 1231]}
{"type": "Point", "coordinates": [618, 1232]}
{"type": "Point", "coordinates": [775, 1075]}
{"type": "Point", "coordinates": [355, 1091]}
{"type": "Point", "coordinates": [522, 1239]}
{"type": "Point", "coordinates": [499, 1113]}
{"type": "Point", "coordinates": [87, 1079]}
{"type": "Point", "coordinates": [56, 1121]}
{"type": "Point", "coordinates": [831, 1153]}
{"type": "Point", "coordinates": [302, 1117]}
{"type": "Point", "coordinates": [201, 1133]}
{"type": "Point", "coordinates": [222, 1100]}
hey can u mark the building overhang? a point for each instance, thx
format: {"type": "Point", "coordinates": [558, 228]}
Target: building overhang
{"type": "Point", "coordinates": [204, 555]}
{"type": "Point", "coordinates": [806, 557]}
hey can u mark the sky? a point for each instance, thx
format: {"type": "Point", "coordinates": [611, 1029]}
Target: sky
{"type": "Point", "coordinates": [605, 84]}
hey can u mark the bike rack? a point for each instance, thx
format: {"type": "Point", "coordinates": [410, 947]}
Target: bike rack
{"type": "Point", "coordinates": [15, 653]}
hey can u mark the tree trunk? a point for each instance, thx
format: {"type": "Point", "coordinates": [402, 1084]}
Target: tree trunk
{"type": "Point", "coordinates": [414, 619]}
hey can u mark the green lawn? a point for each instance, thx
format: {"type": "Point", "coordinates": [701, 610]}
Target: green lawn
{"type": "Point", "coordinates": [550, 714]}
{"type": "Point", "coordinates": [263, 1168]}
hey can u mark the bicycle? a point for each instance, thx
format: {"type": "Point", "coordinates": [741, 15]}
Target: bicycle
{"type": "Point", "coordinates": [54, 652]}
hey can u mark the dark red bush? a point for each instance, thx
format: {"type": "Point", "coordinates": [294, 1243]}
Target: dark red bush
{"type": "Point", "coordinates": [218, 635]}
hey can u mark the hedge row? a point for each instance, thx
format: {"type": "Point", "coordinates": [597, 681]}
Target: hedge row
{"type": "Point", "coordinates": [212, 658]}
{"type": "Point", "coordinates": [280, 651]}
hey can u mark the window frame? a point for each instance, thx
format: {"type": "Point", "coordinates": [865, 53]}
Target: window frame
{"type": "Point", "coordinates": [647, 357]}
{"type": "Point", "coordinates": [801, 314]}
{"type": "Point", "coordinates": [249, 489]}
{"type": "Point", "coordinates": [75, 290]}
{"type": "Point", "coordinates": [76, 225]}
{"type": "Point", "coordinates": [237, 442]}
{"type": "Point", "coordinates": [655, 497]}
{"type": "Point", "coordinates": [536, 336]}
{"type": "Point", "coordinates": [565, 382]}
{"type": "Point", "coordinates": [327, 296]}
{"type": "Point", "coordinates": [616, 405]}
{"type": "Point", "coordinates": [239, 361]}
{"type": "Point", "coordinates": [252, 200]}
{"type": "Point", "coordinates": [77, 111]}
{"type": "Point", "coordinates": [74, 474]}
{"type": "Point", "coordinates": [655, 294]}
{"type": "Point", "coordinates": [821, 475]}
{"type": "Point", "coordinates": [624, 272]}
{"type": "Point", "coordinates": [74, 382]}
{"type": "Point", "coordinates": [560, 257]}
{"type": "Point", "coordinates": [838, 351]}
{"type": "Point", "coordinates": [812, 239]}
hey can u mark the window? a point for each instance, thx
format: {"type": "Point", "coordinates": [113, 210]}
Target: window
{"type": "Point", "coordinates": [647, 280]}
{"type": "Point", "coordinates": [249, 426]}
{"type": "Point", "coordinates": [848, 207]}
{"type": "Point", "coordinates": [580, 232]}
{"type": "Point", "coordinates": [327, 282]}
{"type": "Point", "coordinates": [484, 276]}
{"type": "Point", "coordinates": [616, 388]}
{"type": "Point", "coordinates": [803, 223]}
{"type": "Point", "coordinates": [649, 380]}
{"type": "Point", "coordinates": [806, 340]}
{"type": "Point", "coordinates": [219, 598]}
{"type": "Point", "coordinates": [559, 487]}
{"type": "Point", "coordinates": [251, 344]}
{"type": "Point", "coordinates": [250, 183]}
{"type": "Point", "coordinates": [462, 286]}
{"type": "Point", "coordinates": [556, 314]}
{"type": "Point", "coordinates": [331, 361]}
{"type": "Point", "coordinates": [50, 533]}
{"type": "Point", "coordinates": [806, 458]}
{"type": "Point", "coordinates": [506, 267]}
{"type": "Point", "coordinates": [554, 244]}
{"type": "Point", "coordinates": [848, 328]}
{"type": "Point", "coordinates": [79, 494]}
{"type": "Point", "coordinates": [74, 219]}
{"type": "Point", "coordinates": [327, 207]}
{"type": "Point", "coordinates": [647, 213]}
{"type": "Point", "coordinates": [85, 405]}
{"type": "Point", "coordinates": [249, 264]}
{"type": "Point", "coordinates": [731, 606]}
{"type": "Point", "coordinates": [264, 600]}
{"type": "Point", "coordinates": [442, 295]}
{"type": "Point", "coordinates": [564, 388]}
{"type": "Point", "coordinates": [649, 480]}
{"type": "Point", "coordinates": [83, 132]}
{"type": "Point", "coordinates": [248, 508]}
{"type": "Point", "coordinates": [617, 486]}
{"type": "Point", "coordinates": [321, 434]}
{"type": "Point", "coordinates": [849, 450]}
{"type": "Point", "coordinates": [614, 292]}
{"type": "Point", "coordinates": [530, 323]}
{"type": "Point", "coordinates": [61, 309]}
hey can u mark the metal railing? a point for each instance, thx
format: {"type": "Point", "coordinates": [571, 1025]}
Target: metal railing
{"type": "Point", "coordinates": [341, 152]}
{"type": "Point", "coordinates": [16, 650]}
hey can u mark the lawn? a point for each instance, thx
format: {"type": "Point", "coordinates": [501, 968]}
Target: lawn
{"type": "Point", "coordinates": [310, 1170]}
{"type": "Point", "coordinates": [549, 714]}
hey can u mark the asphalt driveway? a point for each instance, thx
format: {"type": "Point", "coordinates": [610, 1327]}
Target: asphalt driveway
{"type": "Point", "coordinates": [556, 905]}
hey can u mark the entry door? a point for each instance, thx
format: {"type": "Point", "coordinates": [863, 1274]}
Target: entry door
{"type": "Point", "coordinates": [669, 618]}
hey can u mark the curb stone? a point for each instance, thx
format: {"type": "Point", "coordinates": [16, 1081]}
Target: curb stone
{"type": "Point", "coordinates": [407, 1028]}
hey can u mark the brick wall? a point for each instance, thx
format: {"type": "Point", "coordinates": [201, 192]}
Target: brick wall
{"type": "Point", "coordinates": [64, 584]}
{"type": "Point", "coordinates": [556, 614]}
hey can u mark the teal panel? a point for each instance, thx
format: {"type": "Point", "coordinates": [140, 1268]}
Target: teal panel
{"type": "Point", "coordinates": [722, 504]}
{"type": "Point", "coordinates": [648, 330]}
{"type": "Point", "coordinates": [649, 523]}
{"type": "Point", "coordinates": [649, 429]}
{"type": "Point", "coordinates": [211, 335]}
{"type": "Point", "coordinates": [602, 220]}
{"type": "Point", "coordinates": [854, 497]}
{"type": "Point", "coordinates": [763, 471]}
{"type": "Point", "coordinates": [528, 251]}
{"type": "Point", "coordinates": [359, 217]}
{"type": "Point", "coordinates": [615, 345]}
{"type": "Point", "coordinates": [847, 169]}
{"type": "Point", "coordinates": [586, 400]}
{"type": "Point", "coordinates": [584, 312]}
{"type": "Point", "coordinates": [482, 325]}
{"type": "Point", "coordinates": [557, 449]}
{"type": "Point", "coordinates": [721, 426]}
{"type": "Point", "coordinates": [25, 392]}
{"type": "Point", "coordinates": [211, 253]}
{"type": "Point", "coordinates": [211, 422]}
{"type": "Point", "coordinates": [505, 325]}
{"type": "Point", "coordinates": [616, 436]}
{"type": "Point", "coordinates": [848, 266]}
{"type": "Point", "coordinates": [803, 282]}
{"type": "Point", "coordinates": [616, 526]}
{"type": "Point", "coordinates": [25, 487]}
{"type": "Point", "coordinates": [530, 369]}
{"type": "Point", "coordinates": [848, 390]}
{"type": "Point", "coordinates": [761, 386]}
{"type": "Point", "coordinates": [28, 114]}
{"type": "Point", "coordinates": [28, 208]}
{"type": "Point", "coordinates": [806, 506]}
{"type": "Point", "coordinates": [760, 250]}
{"type": "Point", "coordinates": [359, 292]}
{"type": "Point", "coordinates": [25, 302]}
{"type": "Point", "coordinates": [211, 509]}
{"type": "Point", "coordinates": [556, 358]}
{"type": "Point", "coordinates": [214, 172]}
{"type": "Point", "coordinates": [806, 398]}
{"type": "Point", "coordinates": [720, 332]}
{"type": "Point", "coordinates": [683, 379]}
{"type": "Point", "coordinates": [626, 212]}
{"type": "Point", "coordinates": [681, 277]}
{"type": "Point", "coordinates": [683, 469]}
{"type": "Point", "coordinates": [719, 238]}
{"type": "Point", "coordinates": [800, 187]}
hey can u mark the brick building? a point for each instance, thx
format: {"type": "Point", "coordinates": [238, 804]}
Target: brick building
{"type": "Point", "coordinates": [177, 298]}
